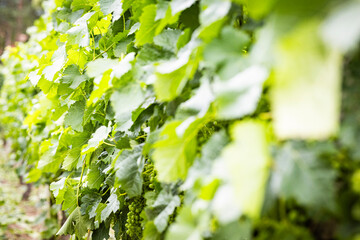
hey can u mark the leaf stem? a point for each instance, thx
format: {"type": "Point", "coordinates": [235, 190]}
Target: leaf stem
{"type": "Point", "coordinates": [109, 144]}
{"type": "Point", "coordinates": [123, 17]}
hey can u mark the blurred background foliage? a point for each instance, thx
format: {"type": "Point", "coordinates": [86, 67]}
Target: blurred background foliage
{"type": "Point", "coordinates": [15, 17]}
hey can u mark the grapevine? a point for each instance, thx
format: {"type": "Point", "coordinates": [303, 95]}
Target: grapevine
{"type": "Point", "coordinates": [196, 119]}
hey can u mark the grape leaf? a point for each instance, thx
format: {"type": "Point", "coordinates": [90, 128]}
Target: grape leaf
{"type": "Point", "coordinates": [169, 202]}
{"type": "Point", "coordinates": [247, 162]}
{"type": "Point", "coordinates": [180, 5]}
{"type": "Point", "coordinates": [69, 203]}
{"type": "Point", "coordinates": [75, 223]}
{"type": "Point", "coordinates": [94, 177]}
{"type": "Point", "coordinates": [128, 167]}
{"type": "Point", "coordinates": [127, 99]}
{"type": "Point", "coordinates": [175, 150]}
{"type": "Point", "coordinates": [72, 77]}
{"type": "Point", "coordinates": [89, 203]}
{"type": "Point", "coordinates": [112, 206]}
{"type": "Point", "coordinates": [112, 6]}
{"type": "Point", "coordinates": [299, 174]}
{"type": "Point", "coordinates": [148, 25]}
{"type": "Point", "coordinates": [75, 116]}
{"type": "Point", "coordinates": [97, 139]}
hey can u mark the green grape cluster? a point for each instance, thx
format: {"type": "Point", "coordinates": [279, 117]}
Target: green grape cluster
{"type": "Point", "coordinates": [133, 222]}
{"type": "Point", "coordinates": [149, 176]}
{"type": "Point", "coordinates": [207, 131]}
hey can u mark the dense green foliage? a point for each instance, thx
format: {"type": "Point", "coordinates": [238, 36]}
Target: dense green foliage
{"type": "Point", "coordinates": [185, 119]}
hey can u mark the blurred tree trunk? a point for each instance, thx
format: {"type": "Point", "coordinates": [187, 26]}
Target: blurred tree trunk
{"type": "Point", "coordinates": [19, 20]}
{"type": "Point", "coordinates": [15, 17]}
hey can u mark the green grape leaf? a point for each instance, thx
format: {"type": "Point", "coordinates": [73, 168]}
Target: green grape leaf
{"type": "Point", "coordinates": [57, 187]}
{"type": "Point", "coordinates": [301, 175]}
{"type": "Point", "coordinates": [79, 34]}
{"type": "Point", "coordinates": [227, 48]}
{"type": "Point", "coordinates": [298, 78]}
{"type": "Point", "coordinates": [76, 223]}
{"type": "Point", "coordinates": [175, 150]}
{"type": "Point", "coordinates": [71, 159]}
{"type": "Point", "coordinates": [57, 63]}
{"type": "Point", "coordinates": [72, 77]}
{"type": "Point", "coordinates": [101, 233]}
{"type": "Point", "coordinates": [169, 202]}
{"type": "Point", "coordinates": [68, 227]}
{"type": "Point", "coordinates": [168, 39]}
{"type": "Point", "coordinates": [121, 48]}
{"type": "Point", "coordinates": [234, 231]}
{"type": "Point", "coordinates": [94, 177]}
{"type": "Point", "coordinates": [180, 5]}
{"type": "Point", "coordinates": [89, 203]}
{"type": "Point", "coordinates": [100, 88]}
{"type": "Point", "coordinates": [97, 138]}
{"type": "Point", "coordinates": [172, 75]}
{"type": "Point", "coordinates": [127, 99]}
{"type": "Point", "coordinates": [112, 206]}
{"type": "Point", "coordinates": [150, 232]}
{"type": "Point", "coordinates": [148, 26]}
{"type": "Point", "coordinates": [128, 167]}
{"type": "Point", "coordinates": [97, 67]}
{"type": "Point", "coordinates": [213, 11]}
{"type": "Point", "coordinates": [248, 178]}
{"type": "Point", "coordinates": [334, 34]}
{"type": "Point", "coordinates": [50, 160]}
{"type": "Point", "coordinates": [77, 57]}
{"type": "Point", "coordinates": [112, 6]}
{"type": "Point", "coordinates": [239, 95]}
{"type": "Point", "coordinates": [69, 203]}
{"type": "Point", "coordinates": [75, 116]}
{"type": "Point", "coordinates": [188, 225]}
{"type": "Point", "coordinates": [82, 4]}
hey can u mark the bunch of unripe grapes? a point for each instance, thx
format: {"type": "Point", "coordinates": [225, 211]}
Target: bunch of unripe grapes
{"type": "Point", "coordinates": [149, 176]}
{"type": "Point", "coordinates": [133, 222]}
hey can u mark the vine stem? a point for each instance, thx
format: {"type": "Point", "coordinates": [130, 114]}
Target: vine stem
{"type": "Point", "coordinates": [88, 235]}
{"type": "Point", "coordinates": [105, 50]}
{"type": "Point", "coordinates": [105, 192]}
{"type": "Point", "coordinates": [81, 176]}
{"type": "Point", "coordinates": [93, 37]}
